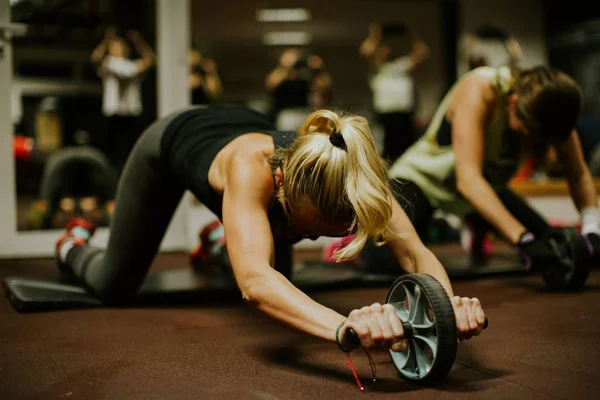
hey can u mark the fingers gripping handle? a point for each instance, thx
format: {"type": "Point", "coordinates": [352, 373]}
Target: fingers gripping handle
{"type": "Point", "coordinates": [353, 340]}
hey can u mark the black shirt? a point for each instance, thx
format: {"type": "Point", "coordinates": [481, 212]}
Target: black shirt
{"type": "Point", "coordinates": [192, 140]}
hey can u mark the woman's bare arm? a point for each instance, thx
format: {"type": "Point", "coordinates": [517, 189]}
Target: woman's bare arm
{"type": "Point", "coordinates": [250, 246]}
{"type": "Point", "coordinates": [579, 177]}
{"type": "Point", "coordinates": [411, 253]}
{"type": "Point", "coordinates": [472, 103]}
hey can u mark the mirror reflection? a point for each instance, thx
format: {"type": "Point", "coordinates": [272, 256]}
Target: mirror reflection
{"type": "Point", "coordinates": [83, 90]}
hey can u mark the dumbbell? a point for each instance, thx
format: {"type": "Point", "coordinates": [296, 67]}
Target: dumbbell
{"type": "Point", "coordinates": [427, 316]}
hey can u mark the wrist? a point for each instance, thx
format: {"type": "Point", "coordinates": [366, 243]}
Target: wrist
{"type": "Point", "coordinates": [339, 335]}
{"type": "Point", "coordinates": [590, 219]}
{"type": "Point", "coordinates": [525, 237]}
{"type": "Point", "coordinates": [522, 236]}
{"type": "Point", "coordinates": [521, 247]}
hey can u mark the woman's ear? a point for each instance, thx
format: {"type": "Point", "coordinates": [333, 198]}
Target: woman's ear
{"type": "Point", "coordinates": [279, 187]}
{"type": "Point", "coordinates": [279, 177]}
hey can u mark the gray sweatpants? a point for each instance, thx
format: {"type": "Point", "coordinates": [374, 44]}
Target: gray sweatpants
{"type": "Point", "coordinates": [146, 198]}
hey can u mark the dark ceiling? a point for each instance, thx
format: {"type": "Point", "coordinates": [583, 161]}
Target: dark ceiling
{"type": "Point", "coordinates": [78, 23]}
{"type": "Point", "coordinates": [227, 31]}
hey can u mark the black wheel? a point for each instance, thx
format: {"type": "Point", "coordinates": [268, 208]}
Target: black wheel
{"type": "Point", "coordinates": [572, 266]}
{"type": "Point", "coordinates": [424, 307]}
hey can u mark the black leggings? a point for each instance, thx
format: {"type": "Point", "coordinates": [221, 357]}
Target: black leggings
{"type": "Point", "coordinates": [420, 211]}
{"type": "Point", "coordinates": [416, 205]}
{"type": "Point", "coordinates": [146, 199]}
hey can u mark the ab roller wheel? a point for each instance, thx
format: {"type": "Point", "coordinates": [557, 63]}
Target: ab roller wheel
{"type": "Point", "coordinates": [430, 329]}
{"type": "Point", "coordinates": [427, 316]}
{"type": "Point", "coordinates": [572, 266]}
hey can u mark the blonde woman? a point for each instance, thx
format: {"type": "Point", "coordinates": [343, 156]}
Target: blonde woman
{"type": "Point", "coordinates": [268, 188]}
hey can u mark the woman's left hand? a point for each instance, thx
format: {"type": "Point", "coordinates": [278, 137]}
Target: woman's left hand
{"type": "Point", "coordinates": [469, 316]}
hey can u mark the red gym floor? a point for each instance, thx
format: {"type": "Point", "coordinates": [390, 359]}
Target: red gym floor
{"type": "Point", "coordinates": [539, 345]}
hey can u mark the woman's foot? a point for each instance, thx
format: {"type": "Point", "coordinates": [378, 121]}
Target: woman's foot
{"type": "Point", "coordinates": [208, 236]}
{"type": "Point", "coordinates": [477, 243]}
{"type": "Point", "coordinates": [78, 233]}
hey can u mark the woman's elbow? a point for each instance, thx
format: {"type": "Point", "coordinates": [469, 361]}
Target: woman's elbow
{"type": "Point", "coordinates": [253, 289]}
{"type": "Point", "coordinates": [462, 187]}
{"type": "Point", "coordinates": [250, 298]}
{"type": "Point", "coordinates": [465, 183]}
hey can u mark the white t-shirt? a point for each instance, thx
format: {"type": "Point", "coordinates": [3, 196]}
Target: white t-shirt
{"type": "Point", "coordinates": [122, 90]}
{"type": "Point", "coordinates": [393, 87]}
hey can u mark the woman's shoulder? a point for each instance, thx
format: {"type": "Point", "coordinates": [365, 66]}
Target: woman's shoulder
{"type": "Point", "coordinates": [248, 165]}
{"type": "Point", "coordinates": [476, 84]}
{"type": "Point", "coordinates": [496, 78]}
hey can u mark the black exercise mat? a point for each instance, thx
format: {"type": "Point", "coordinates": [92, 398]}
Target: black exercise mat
{"type": "Point", "coordinates": [458, 266]}
{"type": "Point", "coordinates": [183, 285]}
{"type": "Point", "coordinates": [173, 285]}
{"type": "Point", "coordinates": [48, 294]}
{"type": "Point", "coordinates": [306, 277]}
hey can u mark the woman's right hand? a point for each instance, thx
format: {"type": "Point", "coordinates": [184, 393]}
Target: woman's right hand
{"type": "Point", "coordinates": [377, 326]}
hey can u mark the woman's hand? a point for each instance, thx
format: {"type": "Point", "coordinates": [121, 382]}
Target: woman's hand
{"type": "Point", "coordinates": [377, 326]}
{"type": "Point", "coordinates": [469, 316]}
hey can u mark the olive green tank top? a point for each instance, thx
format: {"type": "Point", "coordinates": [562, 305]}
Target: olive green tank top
{"type": "Point", "coordinates": [430, 162]}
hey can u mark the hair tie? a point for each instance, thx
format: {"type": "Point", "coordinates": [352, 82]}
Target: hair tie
{"type": "Point", "coordinates": [337, 139]}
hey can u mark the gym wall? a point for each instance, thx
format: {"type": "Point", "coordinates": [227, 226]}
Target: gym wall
{"type": "Point", "coordinates": [337, 29]}
{"type": "Point", "coordinates": [523, 19]}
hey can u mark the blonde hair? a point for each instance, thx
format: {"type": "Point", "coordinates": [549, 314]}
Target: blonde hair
{"type": "Point", "coordinates": [339, 183]}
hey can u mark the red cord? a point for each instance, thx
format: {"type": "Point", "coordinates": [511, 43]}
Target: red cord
{"type": "Point", "coordinates": [350, 365]}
